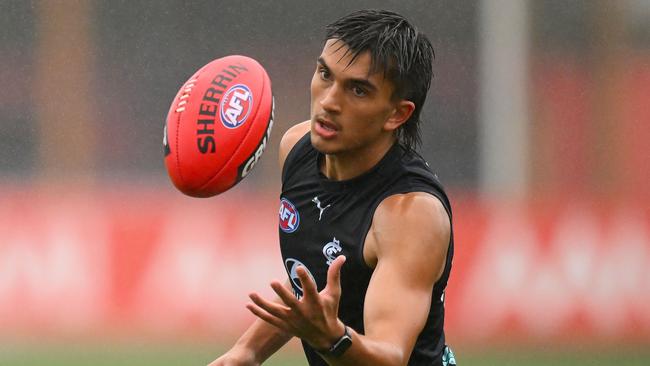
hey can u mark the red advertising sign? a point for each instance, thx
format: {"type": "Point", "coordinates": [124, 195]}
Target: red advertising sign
{"type": "Point", "coordinates": [136, 262]}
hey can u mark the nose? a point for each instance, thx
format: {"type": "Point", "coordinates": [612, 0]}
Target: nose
{"type": "Point", "coordinates": [330, 101]}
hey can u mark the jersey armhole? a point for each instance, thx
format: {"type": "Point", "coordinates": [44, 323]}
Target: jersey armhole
{"type": "Point", "coordinates": [292, 156]}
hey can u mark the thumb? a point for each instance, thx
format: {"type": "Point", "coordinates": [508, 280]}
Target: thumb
{"type": "Point", "coordinates": [334, 275]}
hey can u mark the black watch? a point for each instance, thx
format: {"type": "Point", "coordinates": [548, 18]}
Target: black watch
{"type": "Point", "coordinates": [341, 345]}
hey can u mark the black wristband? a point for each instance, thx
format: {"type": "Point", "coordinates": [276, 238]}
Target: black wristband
{"type": "Point", "coordinates": [340, 346]}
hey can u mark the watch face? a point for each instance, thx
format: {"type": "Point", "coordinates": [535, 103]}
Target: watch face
{"type": "Point", "coordinates": [342, 344]}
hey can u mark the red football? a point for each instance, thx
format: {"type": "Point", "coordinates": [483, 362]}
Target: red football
{"type": "Point", "coordinates": [218, 126]}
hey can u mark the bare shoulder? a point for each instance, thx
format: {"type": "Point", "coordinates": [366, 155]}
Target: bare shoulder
{"type": "Point", "coordinates": [413, 206]}
{"type": "Point", "coordinates": [290, 139]}
{"type": "Point", "coordinates": [413, 228]}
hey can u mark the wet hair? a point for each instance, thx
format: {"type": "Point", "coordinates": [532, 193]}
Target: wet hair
{"type": "Point", "coordinates": [397, 49]}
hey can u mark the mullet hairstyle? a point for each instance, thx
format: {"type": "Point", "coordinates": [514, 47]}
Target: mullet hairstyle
{"type": "Point", "coordinates": [397, 49]}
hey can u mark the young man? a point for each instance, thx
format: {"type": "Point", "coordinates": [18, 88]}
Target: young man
{"type": "Point", "coordinates": [365, 228]}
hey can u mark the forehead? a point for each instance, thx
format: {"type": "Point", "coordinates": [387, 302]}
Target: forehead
{"type": "Point", "coordinates": [338, 56]}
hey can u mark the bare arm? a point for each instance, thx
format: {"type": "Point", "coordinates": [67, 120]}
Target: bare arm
{"type": "Point", "coordinates": [408, 240]}
{"type": "Point", "coordinates": [260, 341]}
{"type": "Point", "coordinates": [407, 244]}
{"type": "Point", "coordinates": [255, 346]}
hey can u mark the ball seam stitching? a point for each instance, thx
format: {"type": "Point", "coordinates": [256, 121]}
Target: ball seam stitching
{"type": "Point", "coordinates": [178, 161]}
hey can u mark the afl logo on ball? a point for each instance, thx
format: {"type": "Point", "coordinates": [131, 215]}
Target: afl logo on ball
{"type": "Point", "coordinates": [289, 217]}
{"type": "Point", "coordinates": [236, 105]}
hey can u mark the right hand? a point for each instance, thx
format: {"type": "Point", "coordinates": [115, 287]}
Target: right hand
{"type": "Point", "coordinates": [236, 358]}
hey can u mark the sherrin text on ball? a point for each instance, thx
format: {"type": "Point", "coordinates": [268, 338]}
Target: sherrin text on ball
{"type": "Point", "coordinates": [218, 126]}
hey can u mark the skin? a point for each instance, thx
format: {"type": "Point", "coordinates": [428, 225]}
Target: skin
{"type": "Point", "coordinates": [406, 244]}
{"type": "Point", "coordinates": [360, 107]}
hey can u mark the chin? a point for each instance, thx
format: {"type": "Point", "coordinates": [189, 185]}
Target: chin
{"type": "Point", "coordinates": [321, 145]}
{"type": "Point", "coordinates": [318, 142]}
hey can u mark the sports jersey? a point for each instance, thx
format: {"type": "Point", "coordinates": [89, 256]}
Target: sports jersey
{"type": "Point", "coordinates": [321, 219]}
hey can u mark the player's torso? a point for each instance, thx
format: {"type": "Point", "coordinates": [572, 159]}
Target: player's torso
{"type": "Point", "coordinates": [319, 223]}
{"type": "Point", "coordinates": [321, 219]}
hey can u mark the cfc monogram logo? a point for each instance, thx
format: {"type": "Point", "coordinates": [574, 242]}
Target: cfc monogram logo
{"type": "Point", "coordinates": [332, 250]}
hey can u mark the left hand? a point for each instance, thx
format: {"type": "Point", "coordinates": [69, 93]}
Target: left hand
{"type": "Point", "coordinates": [313, 318]}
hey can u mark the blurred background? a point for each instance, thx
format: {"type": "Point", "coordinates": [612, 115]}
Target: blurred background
{"type": "Point", "coordinates": [537, 123]}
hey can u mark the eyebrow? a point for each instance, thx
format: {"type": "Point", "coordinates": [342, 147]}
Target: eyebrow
{"type": "Point", "coordinates": [356, 81]}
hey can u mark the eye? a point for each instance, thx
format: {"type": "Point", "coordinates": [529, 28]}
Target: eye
{"type": "Point", "coordinates": [324, 73]}
{"type": "Point", "coordinates": [359, 91]}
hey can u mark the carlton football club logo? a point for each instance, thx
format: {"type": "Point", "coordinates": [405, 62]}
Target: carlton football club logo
{"type": "Point", "coordinates": [236, 106]}
{"type": "Point", "coordinates": [332, 250]}
{"type": "Point", "coordinates": [289, 217]}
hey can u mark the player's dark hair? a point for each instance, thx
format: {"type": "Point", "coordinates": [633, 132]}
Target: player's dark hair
{"type": "Point", "coordinates": [399, 50]}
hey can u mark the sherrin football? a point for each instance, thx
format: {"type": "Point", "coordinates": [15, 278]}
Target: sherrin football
{"type": "Point", "coordinates": [218, 126]}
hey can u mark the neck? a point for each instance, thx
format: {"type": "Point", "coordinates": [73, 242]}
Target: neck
{"type": "Point", "coordinates": [351, 164]}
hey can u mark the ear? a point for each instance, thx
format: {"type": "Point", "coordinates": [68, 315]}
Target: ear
{"type": "Point", "coordinates": [402, 112]}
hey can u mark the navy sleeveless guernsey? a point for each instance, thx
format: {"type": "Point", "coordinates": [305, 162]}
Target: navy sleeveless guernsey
{"type": "Point", "coordinates": [321, 219]}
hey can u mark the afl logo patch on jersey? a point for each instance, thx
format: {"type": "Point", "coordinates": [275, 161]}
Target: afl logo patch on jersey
{"type": "Point", "coordinates": [289, 217]}
{"type": "Point", "coordinates": [236, 106]}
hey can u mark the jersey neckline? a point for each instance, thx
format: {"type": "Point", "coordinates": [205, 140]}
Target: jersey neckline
{"type": "Point", "coordinates": [381, 168]}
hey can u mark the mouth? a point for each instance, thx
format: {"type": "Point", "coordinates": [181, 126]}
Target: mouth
{"type": "Point", "coordinates": [326, 124]}
{"type": "Point", "coordinates": [325, 128]}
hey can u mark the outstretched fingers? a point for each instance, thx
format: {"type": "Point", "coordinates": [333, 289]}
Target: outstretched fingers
{"type": "Point", "coordinates": [309, 288]}
{"type": "Point", "coordinates": [311, 316]}
{"type": "Point", "coordinates": [334, 276]}
{"type": "Point", "coordinates": [275, 309]}
{"type": "Point", "coordinates": [285, 295]}
{"type": "Point", "coordinates": [267, 317]}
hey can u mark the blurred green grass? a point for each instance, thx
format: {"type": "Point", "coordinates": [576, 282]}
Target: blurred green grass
{"type": "Point", "coordinates": [104, 354]}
